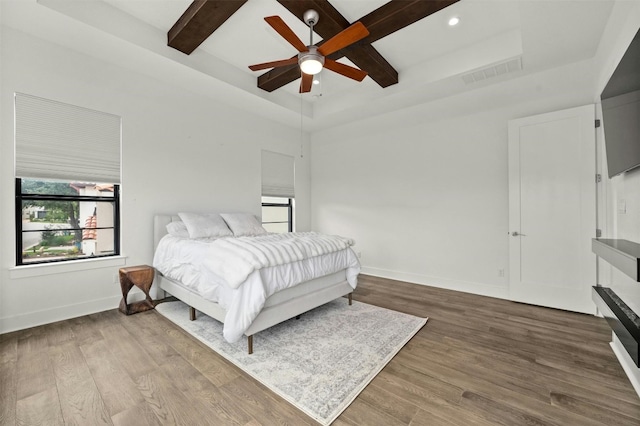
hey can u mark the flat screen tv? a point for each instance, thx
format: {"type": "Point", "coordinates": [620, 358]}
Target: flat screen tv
{"type": "Point", "coordinates": [621, 121]}
{"type": "Point", "coordinates": [621, 113]}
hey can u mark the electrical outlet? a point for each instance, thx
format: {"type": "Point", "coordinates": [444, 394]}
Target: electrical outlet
{"type": "Point", "coordinates": [116, 278]}
{"type": "Point", "coordinates": [359, 254]}
{"type": "Point", "coordinates": [501, 272]}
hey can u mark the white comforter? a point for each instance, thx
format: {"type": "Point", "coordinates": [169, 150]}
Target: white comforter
{"type": "Point", "coordinates": [204, 267]}
{"type": "Point", "coordinates": [244, 255]}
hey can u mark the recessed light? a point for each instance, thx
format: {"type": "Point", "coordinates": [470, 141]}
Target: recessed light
{"type": "Point", "coordinates": [316, 81]}
{"type": "Point", "coordinates": [454, 21]}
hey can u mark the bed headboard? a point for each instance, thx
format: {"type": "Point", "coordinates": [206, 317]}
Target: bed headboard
{"type": "Point", "coordinates": [160, 222]}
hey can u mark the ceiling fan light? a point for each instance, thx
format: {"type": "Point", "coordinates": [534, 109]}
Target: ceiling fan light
{"type": "Point", "coordinates": [311, 66]}
{"type": "Point", "coordinates": [311, 62]}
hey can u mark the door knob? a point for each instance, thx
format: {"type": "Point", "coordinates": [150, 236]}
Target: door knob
{"type": "Point", "coordinates": [517, 234]}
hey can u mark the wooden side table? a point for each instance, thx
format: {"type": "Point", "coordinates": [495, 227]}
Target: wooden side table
{"type": "Point", "coordinates": [142, 277]}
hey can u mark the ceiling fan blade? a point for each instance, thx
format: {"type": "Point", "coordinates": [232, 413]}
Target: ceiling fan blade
{"type": "Point", "coordinates": [287, 33]}
{"type": "Point", "coordinates": [273, 64]}
{"type": "Point", "coordinates": [344, 38]}
{"type": "Point", "coordinates": [306, 82]}
{"type": "Point", "coordinates": [346, 70]}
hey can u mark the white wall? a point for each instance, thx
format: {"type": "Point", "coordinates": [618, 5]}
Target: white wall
{"type": "Point", "coordinates": [623, 25]}
{"type": "Point", "coordinates": [625, 188]}
{"type": "Point", "coordinates": [424, 191]}
{"type": "Point", "coordinates": [424, 203]}
{"type": "Point", "coordinates": [180, 152]}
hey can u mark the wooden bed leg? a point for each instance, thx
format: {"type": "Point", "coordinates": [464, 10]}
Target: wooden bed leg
{"type": "Point", "coordinates": [192, 314]}
{"type": "Point", "coordinates": [350, 299]}
{"type": "Point", "coordinates": [250, 343]}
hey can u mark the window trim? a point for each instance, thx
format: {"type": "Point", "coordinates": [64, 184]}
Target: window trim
{"type": "Point", "coordinates": [29, 270]}
{"type": "Point", "coordinates": [289, 206]}
{"type": "Point", "coordinates": [20, 197]}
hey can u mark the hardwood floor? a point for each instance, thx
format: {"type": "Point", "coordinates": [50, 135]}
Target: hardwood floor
{"type": "Point", "coordinates": [478, 361]}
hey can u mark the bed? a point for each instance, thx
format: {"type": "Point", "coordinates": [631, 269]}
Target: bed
{"type": "Point", "coordinates": [296, 298]}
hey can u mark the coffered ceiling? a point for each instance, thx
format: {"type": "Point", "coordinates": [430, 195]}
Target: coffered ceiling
{"type": "Point", "coordinates": [496, 40]}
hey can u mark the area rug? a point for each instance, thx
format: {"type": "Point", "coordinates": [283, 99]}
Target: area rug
{"type": "Point", "coordinates": [319, 363]}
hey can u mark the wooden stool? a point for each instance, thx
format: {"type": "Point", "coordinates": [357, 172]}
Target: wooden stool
{"type": "Point", "coordinates": [142, 277]}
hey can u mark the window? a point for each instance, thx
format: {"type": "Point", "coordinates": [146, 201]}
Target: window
{"type": "Point", "coordinates": [67, 170]}
{"type": "Point", "coordinates": [65, 220]}
{"type": "Point", "coordinates": [278, 178]}
{"type": "Point", "coordinates": [277, 214]}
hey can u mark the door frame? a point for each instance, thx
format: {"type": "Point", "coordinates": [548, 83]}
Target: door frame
{"type": "Point", "coordinates": [588, 206]}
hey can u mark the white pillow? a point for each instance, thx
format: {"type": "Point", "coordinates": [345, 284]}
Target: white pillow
{"type": "Point", "coordinates": [178, 229]}
{"type": "Point", "coordinates": [205, 225]}
{"type": "Point", "coordinates": [243, 224]}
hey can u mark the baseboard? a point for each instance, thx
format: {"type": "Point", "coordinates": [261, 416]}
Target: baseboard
{"type": "Point", "coordinates": [482, 289]}
{"type": "Point", "coordinates": [47, 316]}
{"type": "Point", "coordinates": [629, 367]}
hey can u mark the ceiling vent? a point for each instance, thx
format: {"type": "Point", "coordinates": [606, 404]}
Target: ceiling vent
{"type": "Point", "coordinates": [495, 70]}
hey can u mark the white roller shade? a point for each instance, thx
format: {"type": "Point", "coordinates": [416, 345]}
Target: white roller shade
{"type": "Point", "coordinates": [277, 175]}
{"type": "Point", "coordinates": [54, 140]}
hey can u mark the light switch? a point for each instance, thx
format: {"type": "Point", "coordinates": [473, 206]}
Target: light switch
{"type": "Point", "coordinates": [622, 206]}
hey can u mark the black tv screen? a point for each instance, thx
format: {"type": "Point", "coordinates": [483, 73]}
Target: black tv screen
{"type": "Point", "coordinates": [621, 121]}
{"type": "Point", "coordinates": [621, 112]}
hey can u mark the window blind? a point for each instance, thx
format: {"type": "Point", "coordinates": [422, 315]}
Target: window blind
{"type": "Point", "coordinates": [277, 175]}
{"type": "Point", "coordinates": [54, 140]}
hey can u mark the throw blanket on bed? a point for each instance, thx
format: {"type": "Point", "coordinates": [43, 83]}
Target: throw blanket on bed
{"type": "Point", "coordinates": [234, 259]}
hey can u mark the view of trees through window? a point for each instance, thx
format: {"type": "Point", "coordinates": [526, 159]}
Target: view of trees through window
{"type": "Point", "coordinates": [65, 220]}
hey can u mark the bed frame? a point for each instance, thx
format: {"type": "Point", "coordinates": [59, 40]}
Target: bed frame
{"type": "Point", "coordinates": [281, 306]}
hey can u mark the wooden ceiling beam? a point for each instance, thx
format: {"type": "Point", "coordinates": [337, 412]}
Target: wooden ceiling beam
{"type": "Point", "coordinates": [199, 21]}
{"type": "Point", "coordinates": [385, 20]}
{"type": "Point", "coordinates": [367, 58]}
{"type": "Point", "coordinates": [203, 17]}
{"type": "Point", "coordinates": [278, 77]}
{"type": "Point", "coordinates": [398, 14]}
{"type": "Point", "coordinates": [331, 22]}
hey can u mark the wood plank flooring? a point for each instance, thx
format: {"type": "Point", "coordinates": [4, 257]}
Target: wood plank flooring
{"type": "Point", "coordinates": [478, 361]}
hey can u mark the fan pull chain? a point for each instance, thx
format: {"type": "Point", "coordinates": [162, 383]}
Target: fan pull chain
{"type": "Point", "coordinates": [301, 133]}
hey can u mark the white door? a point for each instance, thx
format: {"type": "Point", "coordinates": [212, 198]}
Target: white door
{"type": "Point", "coordinates": [552, 209]}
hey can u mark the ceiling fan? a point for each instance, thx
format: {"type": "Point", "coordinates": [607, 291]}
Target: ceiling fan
{"type": "Point", "coordinates": [313, 58]}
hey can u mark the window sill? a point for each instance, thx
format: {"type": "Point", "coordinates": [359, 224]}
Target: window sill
{"type": "Point", "coordinates": [25, 271]}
